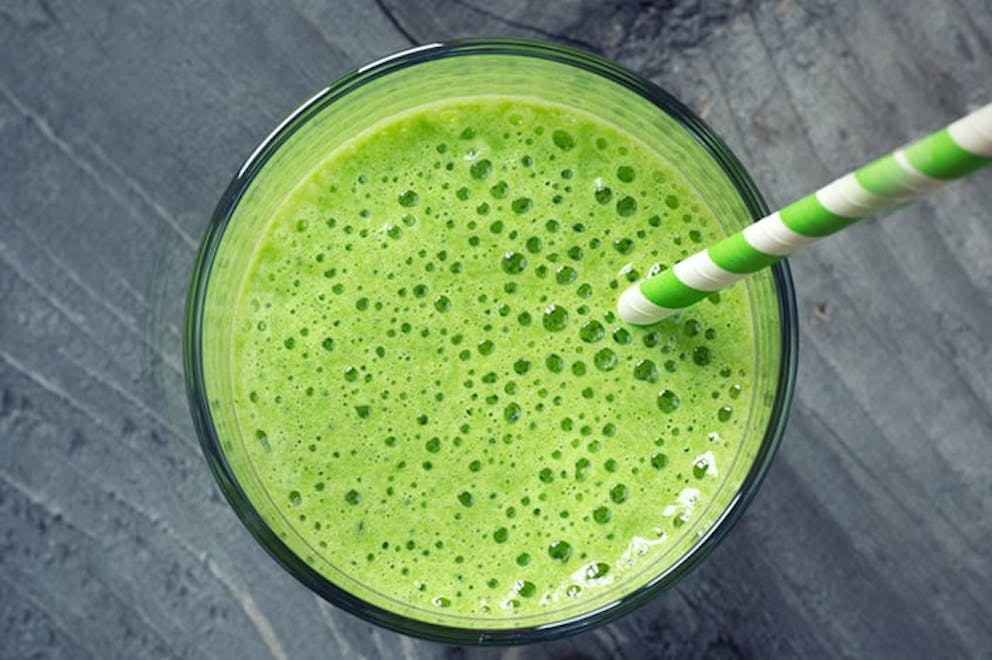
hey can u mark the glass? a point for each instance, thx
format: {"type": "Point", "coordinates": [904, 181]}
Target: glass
{"type": "Point", "coordinates": [392, 85]}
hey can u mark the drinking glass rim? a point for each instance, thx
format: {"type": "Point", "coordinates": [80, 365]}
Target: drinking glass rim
{"type": "Point", "coordinates": [193, 362]}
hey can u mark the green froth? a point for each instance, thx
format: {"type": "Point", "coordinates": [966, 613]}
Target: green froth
{"type": "Point", "coordinates": [444, 410]}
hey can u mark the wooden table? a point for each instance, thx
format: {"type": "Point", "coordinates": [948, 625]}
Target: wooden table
{"type": "Point", "coordinates": [122, 122]}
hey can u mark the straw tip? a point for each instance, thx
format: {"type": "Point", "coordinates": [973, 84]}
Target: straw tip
{"type": "Point", "coordinates": [633, 307]}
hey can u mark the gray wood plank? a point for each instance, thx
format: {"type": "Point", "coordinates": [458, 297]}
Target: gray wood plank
{"type": "Point", "coordinates": [120, 125]}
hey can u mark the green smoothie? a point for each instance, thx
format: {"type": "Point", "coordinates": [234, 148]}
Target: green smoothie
{"type": "Point", "coordinates": [439, 406]}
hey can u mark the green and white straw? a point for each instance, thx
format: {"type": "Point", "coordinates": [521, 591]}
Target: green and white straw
{"type": "Point", "coordinates": [913, 171]}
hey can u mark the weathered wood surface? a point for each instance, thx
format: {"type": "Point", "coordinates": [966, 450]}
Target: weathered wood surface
{"type": "Point", "coordinates": [121, 123]}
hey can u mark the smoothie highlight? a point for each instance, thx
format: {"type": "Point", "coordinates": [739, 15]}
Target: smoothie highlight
{"type": "Point", "coordinates": [434, 398]}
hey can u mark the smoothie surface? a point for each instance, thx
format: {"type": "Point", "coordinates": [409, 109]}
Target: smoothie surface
{"type": "Point", "coordinates": [434, 390]}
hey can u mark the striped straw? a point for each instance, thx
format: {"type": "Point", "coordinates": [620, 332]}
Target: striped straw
{"type": "Point", "coordinates": [917, 169]}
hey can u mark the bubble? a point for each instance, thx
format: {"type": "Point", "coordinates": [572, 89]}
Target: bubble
{"type": "Point", "coordinates": [625, 173]}
{"type": "Point", "coordinates": [579, 368]}
{"type": "Point", "coordinates": [441, 601]}
{"type": "Point", "coordinates": [619, 493]}
{"type": "Point", "coordinates": [735, 391]}
{"type": "Point", "coordinates": [523, 559]}
{"type": "Point", "coordinates": [433, 445]}
{"type": "Point", "coordinates": [659, 460]}
{"type": "Point", "coordinates": [463, 193]}
{"type": "Point", "coordinates": [562, 139]}
{"type": "Point", "coordinates": [514, 263]}
{"type": "Point", "coordinates": [442, 303]}
{"type": "Point", "coordinates": [560, 550]}
{"type": "Point", "coordinates": [552, 225]}
{"type": "Point", "coordinates": [622, 336]}
{"type": "Point", "coordinates": [475, 466]}
{"type": "Point", "coordinates": [646, 370]}
{"type": "Point", "coordinates": [420, 290]}
{"type": "Point", "coordinates": [351, 374]}
{"type": "Point", "coordinates": [623, 245]}
{"type": "Point", "coordinates": [363, 411]}
{"type": "Point", "coordinates": [512, 413]}
{"type": "Point", "coordinates": [524, 319]}
{"type": "Point", "coordinates": [352, 497]}
{"type": "Point", "coordinates": [482, 208]}
{"type": "Point", "coordinates": [525, 588]}
{"type": "Point", "coordinates": [610, 465]}
{"type": "Point", "coordinates": [701, 355]}
{"type": "Point", "coordinates": [671, 366]}
{"type": "Point", "coordinates": [591, 331]}
{"type": "Point", "coordinates": [327, 344]}
{"type": "Point", "coordinates": [521, 205]}
{"type": "Point", "coordinates": [602, 515]}
{"type": "Point", "coordinates": [700, 466]}
{"type": "Point", "coordinates": [584, 290]}
{"type": "Point", "coordinates": [466, 498]}
{"type": "Point", "coordinates": [301, 225]}
{"type": "Point", "coordinates": [546, 475]}
{"type": "Point", "coordinates": [467, 134]}
{"type": "Point", "coordinates": [672, 202]}
{"type": "Point", "coordinates": [500, 190]}
{"type": "Point", "coordinates": [289, 343]}
{"type": "Point", "coordinates": [565, 275]}
{"type": "Point", "coordinates": [555, 318]}
{"type": "Point", "coordinates": [724, 414]}
{"type": "Point", "coordinates": [692, 327]}
{"type": "Point", "coordinates": [481, 169]}
{"type": "Point", "coordinates": [626, 207]}
{"type": "Point", "coordinates": [605, 360]}
{"type": "Point", "coordinates": [603, 195]}
{"type": "Point", "coordinates": [485, 347]}
{"type": "Point", "coordinates": [581, 466]}
{"type": "Point", "coordinates": [534, 245]}
{"type": "Point", "coordinates": [295, 498]}
{"type": "Point", "coordinates": [668, 401]}
{"type": "Point", "coordinates": [408, 198]}
{"type": "Point", "coordinates": [695, 236]}
{"type": "Point", "coordinates": [501, 535]}
{"type": "Point", "coordinates": [555, 363]}
{"type": "Point", "coordinates": [596, 570]}
{"type": "Point", "coordinates": [496, 227]}
{"type": "Point", "coordinates": [575, 253]}
{"type": "Point", "coordinates": [521, 366]}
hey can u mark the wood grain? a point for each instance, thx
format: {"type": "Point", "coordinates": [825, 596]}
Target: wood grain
{"type": "Point", "coordinates": [120, 125]}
